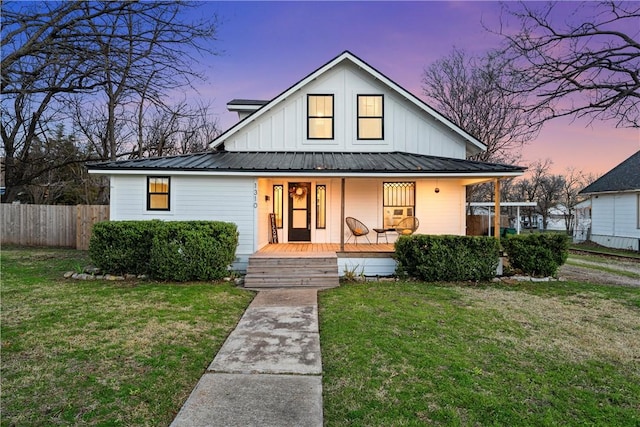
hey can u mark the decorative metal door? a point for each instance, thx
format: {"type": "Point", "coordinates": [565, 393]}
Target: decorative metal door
{"type": "Point", "coordinates": [299, 212]}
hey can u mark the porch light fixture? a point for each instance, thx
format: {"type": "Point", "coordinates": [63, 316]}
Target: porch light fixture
{"type": "Point", "coordinates": [267, 198]}
{"type": "Point", "coordinates": [437, 189]}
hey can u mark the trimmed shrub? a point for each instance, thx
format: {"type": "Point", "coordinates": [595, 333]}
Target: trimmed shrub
{"type": "Point", "coordinates": [120, 247]}
{"type": "Point", "coordinates": [195, 250]}
{"type": "Point", "coordinates": [175, 250]}
{"type": "Point", "coordinates": [447, 258]}
{"type": "Point", "coordinates": [537, 254]}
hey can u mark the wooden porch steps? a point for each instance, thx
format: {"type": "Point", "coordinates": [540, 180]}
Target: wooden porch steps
{"type": "Point", "coordinates": [288, 270]}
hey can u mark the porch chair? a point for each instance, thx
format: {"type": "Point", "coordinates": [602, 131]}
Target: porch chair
{"type": "Point", "coordinates": [407, 226]}
{"type": "Point", "coordinates": [357, 229]}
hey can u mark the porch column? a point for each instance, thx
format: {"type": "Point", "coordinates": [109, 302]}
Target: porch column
{"type": "Point", "coordinates": [518, 220]}
{"type": "Point", "coordinates": [496, 216]}
{"type": "Point", "coordinates": [342, 215]}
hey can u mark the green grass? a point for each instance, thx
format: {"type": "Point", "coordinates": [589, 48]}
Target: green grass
{"type": "Point", "coordinates": [103, 353]}
{"type": "Point", "coordinates": [592, 247]}
{"type": "Point", "coordinates": [394, 354]}
{"type": "Point", "coordinates": [413, 354]}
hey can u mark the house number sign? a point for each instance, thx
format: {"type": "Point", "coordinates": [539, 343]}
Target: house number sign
{"type": "Point", "coordinates": [255, 195]}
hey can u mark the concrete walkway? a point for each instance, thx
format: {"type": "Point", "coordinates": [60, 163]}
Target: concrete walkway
{"type": "Point", "coordinates": [268, 372]}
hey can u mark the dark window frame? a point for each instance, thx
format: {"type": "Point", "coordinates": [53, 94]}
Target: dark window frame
{"type": "Point", "coordinates": [279, 221]}
{"type": "Point", "coordinates": [395, 203]}
{"type": "Point", "coordinates": [150, 193]}
{"type": "Point", "coordinates": [310, 117]}
{"type": "Point", "coordinates": [323, 207]}
{"type": "Point", "coordinates": [359, 117]}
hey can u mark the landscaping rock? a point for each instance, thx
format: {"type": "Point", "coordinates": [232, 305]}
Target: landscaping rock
{"type": "Point", "coordinates": [90, 276]}
{"type": "Point", "coordinates": [92, 270]}
{"type": "Point", "coordinates": [512, 280]}
{"type": "Point", "coordinates": [239, 281]}
{"type": "Point", "coordinates": [540, 279]}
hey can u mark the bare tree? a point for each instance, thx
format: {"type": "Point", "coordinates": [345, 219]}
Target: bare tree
{"type": "Point", "coordinates": [176, 129]}
{"type": "Point", "coordinates": [577, 66]}
{"type": "Point", "coordinates": [549, 196]}
{"type": "Point", "coordinates": [57, 184]}
{"type": "Point", "coordinates": [530, 188]}
{"type": "Point", "coordinates": [549, 191]}
{"type": "Point", "coordinates": [475, 94]}
{"type": "Point", "coordinates": [574, 181]}
{"type": "Point", "coordinates": [95, 51]}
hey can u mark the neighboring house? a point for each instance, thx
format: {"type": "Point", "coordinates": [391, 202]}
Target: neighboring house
{"type": "Point", "coordinates": [556, 218]}
{"type": "Point", "coordinates": [582, 228]}
{"type": "Point", "coordinates": [615, 206]}
{"type": "Point", "coordinates": [345, 141]}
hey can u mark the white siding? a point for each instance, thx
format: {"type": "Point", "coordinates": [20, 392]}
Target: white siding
{"type": "Point", "coordinates": [363, 201]}
{"type": "Point", "coordinates": [614, 220]}
{"type": "Point", "coordinates": [442, 212]}
{"type": "Point", "coordinates": [367, 266]}
{"type": "Point", "coordinates": [193, 198]}
{"type": "Point", "coordinates": [406, 127]}
{"type": "Point", "coordinates": [264, 208]}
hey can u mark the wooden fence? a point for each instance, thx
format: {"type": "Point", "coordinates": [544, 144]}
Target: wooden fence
{"type": "Point", "coordinates": [46, 225]}
{"type": "Point", "coordinates": [478, 225]}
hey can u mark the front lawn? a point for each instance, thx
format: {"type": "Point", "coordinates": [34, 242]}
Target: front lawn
{"type": "Point", "coordinates": [413, 354]}
{"type": "Point", "coordinates": [103, 353]}
{"type": "Point", "coordinates": [394, 354]}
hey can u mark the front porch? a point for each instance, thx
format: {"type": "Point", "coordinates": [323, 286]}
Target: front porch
{"type": "Point", "coordinates": [316, 264]}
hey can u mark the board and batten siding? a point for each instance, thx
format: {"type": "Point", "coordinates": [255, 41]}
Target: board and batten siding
{"type": "Point", "coordinates": [229, 199]}
{"type": "Point", "coordinates": [614, 221]}
{"type": "Point", "coordinates": [406, 127]}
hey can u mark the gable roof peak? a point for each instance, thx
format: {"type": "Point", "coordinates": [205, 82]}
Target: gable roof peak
{"type": "Point", "coordinates": [347, 55]}
{"type": "Point", "coordinates": [623, 177]}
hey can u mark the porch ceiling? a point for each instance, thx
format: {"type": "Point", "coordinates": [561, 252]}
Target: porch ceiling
{"type": "Point", "coordinates": [312, 163]}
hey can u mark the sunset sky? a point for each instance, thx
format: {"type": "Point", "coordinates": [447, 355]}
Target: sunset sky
{"type": "Point", "coordinates": [265, 47]}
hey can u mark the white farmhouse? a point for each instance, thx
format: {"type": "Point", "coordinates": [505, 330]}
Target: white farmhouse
{"type": "Point", "coordinates": [345, 141]}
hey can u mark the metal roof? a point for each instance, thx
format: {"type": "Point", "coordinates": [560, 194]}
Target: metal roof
{"type": "Point", "coordinates": [258, 102]}
{"type": "Point", "coordinates": [309, 162]}
{"type": "Point", "coordinates": [624, 177]}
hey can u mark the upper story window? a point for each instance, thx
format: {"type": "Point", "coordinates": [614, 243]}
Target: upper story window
{"type": "Point", "coordinates": [370, 117]}
{"type": "Point", "coordinates": [320, 116]}
{"type": "Point", "coordinates": [158, 193]}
